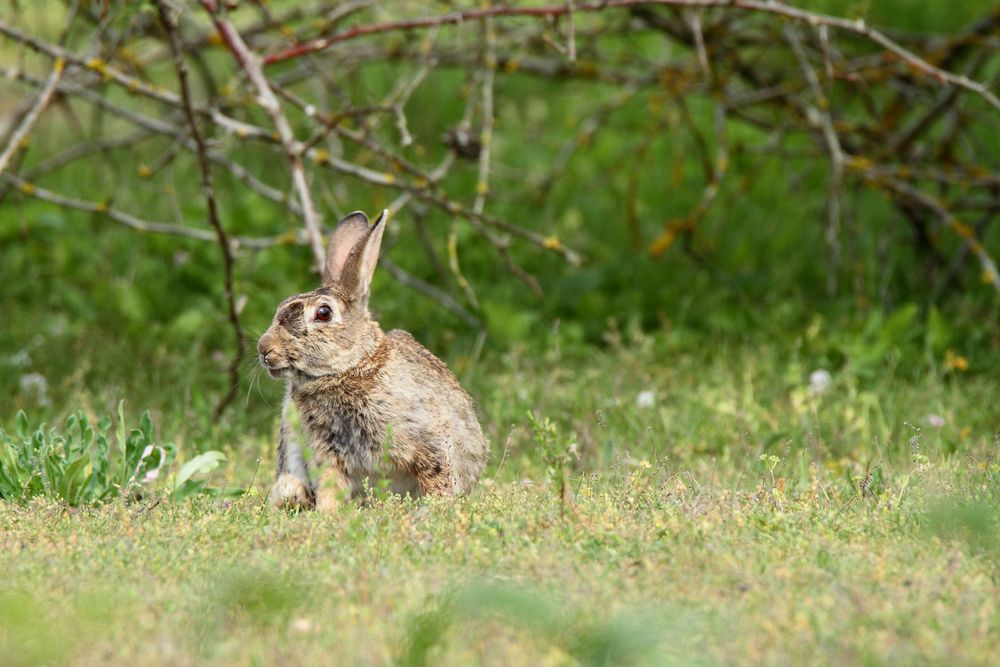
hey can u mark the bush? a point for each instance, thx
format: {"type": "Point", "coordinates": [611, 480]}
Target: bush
{"type": "Point", "coordinates": [78, 465]}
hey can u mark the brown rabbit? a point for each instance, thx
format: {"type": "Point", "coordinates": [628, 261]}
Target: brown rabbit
{"type": "Point", "coordinates": [371, 403]}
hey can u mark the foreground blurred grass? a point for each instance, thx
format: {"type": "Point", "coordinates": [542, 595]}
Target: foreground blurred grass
{"type": "Point", "coordinates": [650, 569]}
{"type": "Point", "coordinates": [716, 516]}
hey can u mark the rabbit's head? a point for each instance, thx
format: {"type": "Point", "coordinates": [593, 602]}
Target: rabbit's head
{"type": "Point", "coordinates": [329, 330]}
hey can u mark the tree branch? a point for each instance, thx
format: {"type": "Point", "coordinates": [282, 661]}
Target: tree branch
{"type": "Point", "coordinates": [30, 118]}
{"type": "Point", "coordinates": [857, 27]}
{"type": "Point", "coordinates": [252, 66]}
{"type": "Point", "coordinates": [208, 189]}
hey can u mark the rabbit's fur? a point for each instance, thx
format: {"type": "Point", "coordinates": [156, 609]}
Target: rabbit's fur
{"type": "Point", "coordinates": [371, 404]}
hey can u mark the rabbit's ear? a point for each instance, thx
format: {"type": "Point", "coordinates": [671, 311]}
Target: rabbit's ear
{"type": "Point", "coordinates": [348, 233]}
{"type": "Point", "coordinates": [358, 279]}
{"type": "Point", "coordinates": [352, 266]}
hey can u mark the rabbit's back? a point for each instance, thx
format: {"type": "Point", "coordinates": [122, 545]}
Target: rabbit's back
{"type": "Point", "coordinates": [432, 417]}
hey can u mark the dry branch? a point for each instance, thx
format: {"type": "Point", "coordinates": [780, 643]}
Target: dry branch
{"type": "Point", "coordinates": [21, 133]}
{"type": "Point", "coordinates": [205, 166]}
{"type": "Point", "coordinates": [251, 64]}
{"type": "Point", "coordinates": [857, 27]}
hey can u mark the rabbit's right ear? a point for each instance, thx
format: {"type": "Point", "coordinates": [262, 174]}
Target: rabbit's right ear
{"type": "Point", "coordinates": [345, 237]}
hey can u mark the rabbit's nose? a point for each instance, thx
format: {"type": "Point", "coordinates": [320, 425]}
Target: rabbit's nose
{"type": "Point", "coordinates": [265, 352]}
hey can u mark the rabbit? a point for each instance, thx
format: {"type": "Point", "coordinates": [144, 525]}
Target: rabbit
{"type": "Point", "coordinates": [371, 404]}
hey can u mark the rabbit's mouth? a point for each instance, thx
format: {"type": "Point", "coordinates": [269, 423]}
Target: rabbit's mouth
{"type": "Point", "coordinates": [273, 369]}
{"type": "Point", "coordinates": [277, 371]}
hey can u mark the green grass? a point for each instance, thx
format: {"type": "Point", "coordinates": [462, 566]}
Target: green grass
{"type": "Point", "coordinates": [722, 523]}
{"type": "Point", "coordinates": [695, 572]}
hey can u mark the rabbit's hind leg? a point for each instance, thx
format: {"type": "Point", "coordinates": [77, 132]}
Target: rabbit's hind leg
{"type": "Point", "coordinates": [333, 487]}
{"type": "Point", "coordinates": [434, 476]}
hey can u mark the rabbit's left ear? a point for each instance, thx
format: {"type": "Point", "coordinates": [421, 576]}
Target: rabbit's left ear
{"type": "Point", "coordinates": [353, 272]}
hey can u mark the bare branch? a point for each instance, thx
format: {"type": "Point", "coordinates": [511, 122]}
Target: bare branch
{"type": "Point", "coordinates": [874, 115]}
{"type": "Point", "coordinates": [486, 135]}
{"type": "Point", "coordinates": [252, 66]}
{"type": "Point", "coordinates": [208, 189]}
{"type": "Point", "coordinates": [30, 118]}
{"type": "Point", "coordinates": [431, 292]}
{"type": "Point", "coordinates": [819, 116]}
{"type": "Point", "coordinates": [990, 273]}
{"type": "Point", "coordinates": [857, 27]}
{"type": "Point", "coordinates": [131, 84]}
{"type": "Point", "coordinates": [138, 224]}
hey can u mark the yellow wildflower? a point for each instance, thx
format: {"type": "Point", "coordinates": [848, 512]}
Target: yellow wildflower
{"type": "Point", "coordinates": [955, 362]}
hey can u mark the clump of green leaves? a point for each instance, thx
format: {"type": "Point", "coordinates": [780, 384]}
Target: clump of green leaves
{"type": "Point", "coordinates": [35, 633]}
{"type": "Point", "coordinates": [256, 594]}
{"type": "Point", "coordinates": [558, 452]}
{"type": "Point", "coordinates": [970, 520]}
{"type": "Point", "coordinates": [612, 641]}
{"type": "Point", "coordinates": [83, 464]}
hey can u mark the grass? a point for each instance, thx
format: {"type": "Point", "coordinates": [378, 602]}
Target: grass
{"type": "Point", "coordinates": [716, 519]}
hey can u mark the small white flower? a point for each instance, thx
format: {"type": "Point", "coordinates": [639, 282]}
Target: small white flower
{"type": "Point", "coordinates": [819, 381]}
{"type": "Point", "coordinates": [58, 326]}
{"type": "Point", "coordinates": [937, 421]}
{"type": "Point", "coordinates": [35, 383]}
{"type": "Point", "coordinates": [302, 625]}
{"type": "Point", "coordinates": [645, 399]}
{"type": "Point", "coordinates": [152, 473]}
{"type": "Point", "coordinates": [20, 358]}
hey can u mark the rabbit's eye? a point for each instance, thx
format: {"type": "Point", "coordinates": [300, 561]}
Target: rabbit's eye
{"type": "Point", "coordinates": [323, 314]}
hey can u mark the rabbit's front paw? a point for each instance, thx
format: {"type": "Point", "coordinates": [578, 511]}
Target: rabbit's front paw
{"type": "Point", "coordinates": [290, 492]}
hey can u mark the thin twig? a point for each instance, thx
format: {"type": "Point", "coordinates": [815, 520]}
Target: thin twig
{"type": "Point", "coordinates": [150, 124]}
{"type": "Point", "coordinates": [964, 231]}
{"type": "Point", "coordinates": [251, 64]}
{"type": "Point", "coordinates": [30, 118]}
{"type": "Point", "coordinates": [138, 224]}
{"type": "Point", "coordinates": [686, 225]}
{"type": "Point", "coordinates": [857, 27]}
{"type": "Point", "coordinates": [213, 212]}
{"type": "Point", "coordinates": [819, 115]}
{"type": "Point", "coordinates": [699, 42]}
{"type": "Point", "coordinates": [570, 32]}
{"type": "Point", "coordinates": [442, 298]}
{"type": "Point", "coordinates": [130, 84]}
{"type": "Point", "coordinates": [486, 135]}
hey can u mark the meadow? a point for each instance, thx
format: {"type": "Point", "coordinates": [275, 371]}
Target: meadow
{"type": "Point", "coordinates": [721, 450]}
{"type": "Point", "coordinates": [717, 513]}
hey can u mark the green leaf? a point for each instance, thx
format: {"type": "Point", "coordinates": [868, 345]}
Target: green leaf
{"type": "Point", "coordinates": [939, 332]}
{"type": "Point", "coordinates": [146, 426]}
{"type": "Point", "coordinates": [72, 481]}
{"type": "Point", "coordinates": [122, 443]}
{"type": "Point", "coordinates": [203, 463]}
{"type": "Point", "coordinates": [188, 489]}
{"type": "Point", "coordinates": [900, 326]}
{"type": "Point", "coordinates": [22, 425]}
